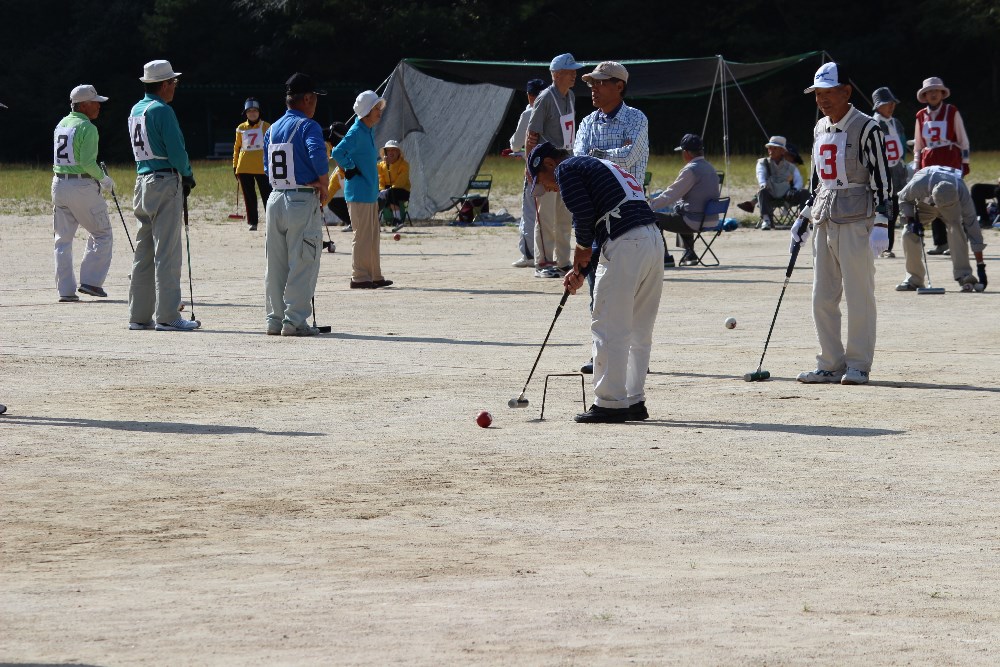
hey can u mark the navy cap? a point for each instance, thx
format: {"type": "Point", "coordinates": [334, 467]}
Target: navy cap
{"type": "Point", "coordinates": [538, 154]}
{"type": "Point", "coordinates": [535, 86]}
{"type": "Point", "coordinates": [691, 143]}
{"type": "Point", "coordinates": [300, 83]}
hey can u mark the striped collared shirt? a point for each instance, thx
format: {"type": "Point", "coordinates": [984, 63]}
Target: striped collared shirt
{"type": "Point", "coordinates": [590, 191]}
{"type": "Point", "coordinates": [609, 132]}
{"type": "Point", "coordinates": [872, 154]}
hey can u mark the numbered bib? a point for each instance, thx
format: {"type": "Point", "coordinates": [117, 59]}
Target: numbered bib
{"type": "Point", "coordinates": [828, 156]}
{"type": "Point", "coordinates": [62, 148]}
{"type": "Point", "coordinates": [139, 138]}
{"type": "Point", "coordinates": [935, 133]}
{"type": "Point", "coordinates": [253, 139]}
{"type": "Point", "coordinates": [632, 187]}
{"type": "Point", "coordinates": [893, 148]}
{"type": "Point", "coordinates": [568, 125]}
{"type": "Point", "coordinates": [281, 166]}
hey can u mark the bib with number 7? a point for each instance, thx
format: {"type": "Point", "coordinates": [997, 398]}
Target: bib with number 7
{"type": "Point", "coordinates": [829, 151]}
{"type": "Point", "coordinates": [252, 140]}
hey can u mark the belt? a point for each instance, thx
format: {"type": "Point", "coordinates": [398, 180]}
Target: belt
{"type": "Point", "coordinates": [73, 176]}
{"type": "Point", "coordinates": [165, 171]}
{"type": "Point", "coordinates": [295, 189]}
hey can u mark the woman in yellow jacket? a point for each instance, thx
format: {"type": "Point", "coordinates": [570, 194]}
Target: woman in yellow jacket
{"type": "Point", "coordinates": [248, 159]}
{"type": "Point", "coordinates": [393, 180]}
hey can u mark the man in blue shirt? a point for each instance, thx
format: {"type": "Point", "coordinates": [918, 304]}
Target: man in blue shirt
{"type": "Point", "coordinates": [163, 180]}
{"type": "Point", "coordinates": [297, 167]}
{"type": "Point", "coordinates": [610, 212]}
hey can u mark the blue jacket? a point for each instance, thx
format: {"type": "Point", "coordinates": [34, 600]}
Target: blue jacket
{"type": "Point", "coordinates": [309, 149]}
{"type": "Point", "coordinates": [357, 150]}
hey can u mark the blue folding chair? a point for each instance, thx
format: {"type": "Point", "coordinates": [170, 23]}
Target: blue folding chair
{"type": "Point", "coordinates": [712, 207]}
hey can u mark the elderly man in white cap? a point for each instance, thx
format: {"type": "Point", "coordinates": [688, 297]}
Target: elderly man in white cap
{"type": "Point", "coordinates": [164, 179]}
{"type": "Point", "coordinates": [939, 193]}
{"type": "Point", "coordinates": [852, 191]}
{"type": "Point", "coordinates": [76, 197]}
{"type": "Point", "coordinates": [939, 138]}
{"type": "Point", "coordinates": [357, 155]}
{"type": "Point", "coordinates": [553, 119]}
{"type": "Point", "coordinates": [775, 182]}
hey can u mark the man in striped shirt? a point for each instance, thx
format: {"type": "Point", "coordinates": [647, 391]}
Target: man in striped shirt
{"type": "Point", "coordinates": [610, 213]}
{"type": "Point", "coordinates": [852, 191]}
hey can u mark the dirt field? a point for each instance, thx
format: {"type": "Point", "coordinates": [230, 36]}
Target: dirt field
{"type": "Point", "coordinates": [225, 497]}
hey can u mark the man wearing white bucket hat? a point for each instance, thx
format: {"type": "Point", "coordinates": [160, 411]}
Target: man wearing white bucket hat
{"type": "Point", "coordinates": [164, 178]}
{"type": "Point", "coordinates": [852, 187]}
{"type": "Point", "coordinates": [357, 155]}
{"type": "Point", "coordinates": [77, 183]}
{"type": "Point", "coordinates": [939, 138]}
{"type": "Point", "coordinates": [775, 182]}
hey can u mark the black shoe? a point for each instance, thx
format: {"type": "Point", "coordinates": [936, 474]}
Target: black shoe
{"type": "Point", "coordinates": [598, 415]}
{"type": "Point", "coordinates": [588, 368]}
{"type": "Point", "coordinates": [689, 259]}
{"type": "Point", "coordinates": [91, 290]}
{"type": "Point", "coordinates": [381, 283]}
{"type": "Point", "coordinates": [668, 261]}
{"type": "Point", "coordinates": [938, 250]}
{"type": "Point", "coordinates": [745, 206]}
{"type": "Point", "coordinates": [364, 284]}
{"type": "Point", "coordinates": [251, 228]}
{"type": "Point", "coordinates": [637, 412]}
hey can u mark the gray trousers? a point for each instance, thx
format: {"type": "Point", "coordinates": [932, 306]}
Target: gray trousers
{"type": "Point", "coordinates": [958, 244]}
{"type": "Point", "coordinates": [155, 290]}
{"type": "Point", "coordinates": [526, 228]}
{"type": "Point", "coordinates": [293, 247]}
{"type": "Point", "coordinates": [77, 202]}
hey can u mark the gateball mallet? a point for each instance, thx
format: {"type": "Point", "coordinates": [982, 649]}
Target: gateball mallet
{"type": "Point", "coordinates": [930, 289]}
{"type": "Point", "coordinates": [759, 374]}
{"type": "Point", "coordinates": [237, 215]}
{"type": "Point", "coordinates": [187, 236]}
{"type": "Point", "coordinates": [104, 168]}
{"type": "Point", "coordinates": [323, 329]}
{"type": "Point", "coordinates": [521, 401]}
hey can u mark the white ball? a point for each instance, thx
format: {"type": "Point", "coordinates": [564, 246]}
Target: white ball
{"type": "Point", "coordinates": [730, 322]}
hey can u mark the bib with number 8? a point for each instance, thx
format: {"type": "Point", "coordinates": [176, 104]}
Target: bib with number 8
{"type": "Point", "coordinates": [828, 156]}
{"type": "Point", "coordinates": [62, 149]}
{"type": "Point", "coordinates": [281, 166]}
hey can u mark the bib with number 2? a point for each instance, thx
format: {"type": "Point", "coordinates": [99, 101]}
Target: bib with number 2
{"type": "Point", "coordinates": [828, 155]}
{"type": "Point", "coordinates": [62, 148]}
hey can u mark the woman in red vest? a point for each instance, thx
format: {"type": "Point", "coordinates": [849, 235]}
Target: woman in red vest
{"type": "Point", "coordinates": [939, 138]}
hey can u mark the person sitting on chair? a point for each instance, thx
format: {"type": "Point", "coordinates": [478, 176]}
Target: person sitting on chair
{"type": "Point", "coordinates": [393, 180]}
{"type": "Point", "coordinates": [981, 192]}
{"type": "Point", "coordinates": [775, 183]}
{"type": "Point", "coordinates": [696, 183]}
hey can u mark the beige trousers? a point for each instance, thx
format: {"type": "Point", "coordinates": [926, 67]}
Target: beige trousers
{"type": "Point", "coordinates": [77, 202]}
{"type": "Point", "coordinates": [958, 244]}
{"type": "Point", "coordinates": [553, 231]}
{"type": "Point", "coordinates": [366, 264]}
{"type": "Point", "coordinates": [843, 267]}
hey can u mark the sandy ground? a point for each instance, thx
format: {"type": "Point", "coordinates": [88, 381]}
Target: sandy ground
{"type": "Point", "coordinates": [225, 497]}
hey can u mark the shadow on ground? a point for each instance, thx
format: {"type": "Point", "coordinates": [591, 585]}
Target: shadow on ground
{"type": "Point", "coordinates": [149, 427]}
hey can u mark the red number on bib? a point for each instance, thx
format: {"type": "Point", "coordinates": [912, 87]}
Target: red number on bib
{"type": "Point", "coordinates": [629, 178]}
{"type": "Point", "coordinates": [253, 138]}
{"type": "Point", "coordinates": [892, 150]}
{"type": "Point", "coordinates": [935, 133]}
{"type": "Point", "coordinates": [827, 167]}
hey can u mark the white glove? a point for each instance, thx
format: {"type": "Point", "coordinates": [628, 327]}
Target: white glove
{"type": "Point", "coordinates": [879, 239]}
{"type": "Point", "coordinates": [107, 185]}
{"type": "Point", "coordinates": [800, 232]}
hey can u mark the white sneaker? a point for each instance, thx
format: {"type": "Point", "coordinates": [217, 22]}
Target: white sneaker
{"type": "Point", "coordinates": [854, 376]}
{"type": "Point", "coordinates": [817, 376]}
{"type": "Point", "coordinates": [289, 329]}
{"type": "Point", "coordinates": [765, 222]}
{"type": "Point", "coordinates": [180, 324]}
{"type": "Point", "coordinates": [523, 262]}
{"type": "Point", "coordinates": [140, 326]}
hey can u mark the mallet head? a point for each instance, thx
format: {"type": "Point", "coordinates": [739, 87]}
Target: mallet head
{"type": "Point", "coordinates": [757, 376]}
{"type": "Point", "coordinates": [519, 402]}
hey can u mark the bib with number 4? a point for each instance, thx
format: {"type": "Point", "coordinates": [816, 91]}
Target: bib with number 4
{"type": "Point", "coordinates": [281, 166]}
{"type": "Point", "coordinates": [62, 148]}
{"type": "Point", "coordinates": [253, 139]}
{"type": "Point", "coordinates": [139, 138]}
{"type": "Point", "coordinates": [828, 155]}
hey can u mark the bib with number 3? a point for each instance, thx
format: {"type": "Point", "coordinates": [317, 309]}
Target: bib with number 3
{"type": "Point", "coordinates": [633, 190]}
{"type": "Point", "coordinates": [933, 132]}
{"type": "Point", "coordinates": [828, 156]}
{"type": "Point", "coordinates": [281, 166]}
{"type": "Point", "coordinates": [253, 139]}
{"type": "Point", "coordinates": [62, 148]}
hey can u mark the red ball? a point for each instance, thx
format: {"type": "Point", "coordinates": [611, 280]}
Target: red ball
{"type": "Point", "coordinates": [484, 419]}
{"type": "Point", "coordinates": [396, 237]}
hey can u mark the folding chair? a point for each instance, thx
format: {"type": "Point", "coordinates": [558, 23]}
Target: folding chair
{"type": "Point", "coordinates": [712, 207]}
{"type": "Point", "coordinates": [477, 193]}
{"type": "Point", "coordinates": [386, 218]}
{"type": "Point", "coordinates": [784, 214]}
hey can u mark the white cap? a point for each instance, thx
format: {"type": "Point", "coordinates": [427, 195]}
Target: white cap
{"type": "Point", "coordinates": [392, 143]}
{"type": "Point", "coordinates": [157, 70]}
{"type": "Point", "coordinates": [830, 75]}
{"type": "Point", "coordinates": [85, 93]}
{"type": "Point", "coordinates": [366, 101]}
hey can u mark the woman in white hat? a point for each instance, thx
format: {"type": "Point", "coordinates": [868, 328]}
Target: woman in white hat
{"type": "Point", "coordinates": [393, 179]}
{"type": "Point", "coordinates": [939, 138]}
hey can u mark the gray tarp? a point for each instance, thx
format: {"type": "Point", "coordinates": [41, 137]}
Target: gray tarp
{"type": "Point", "coordinates": [445, 129]}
